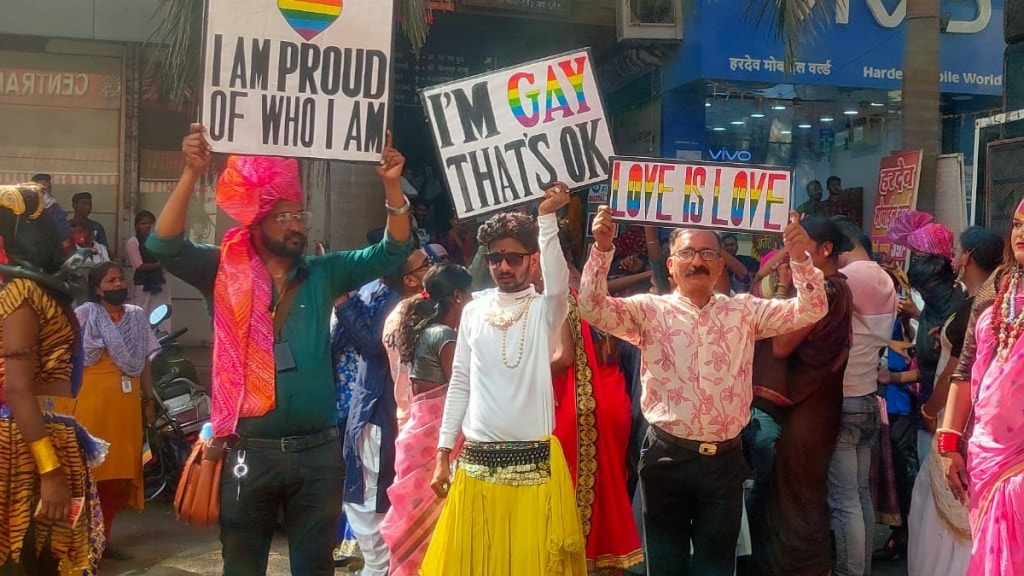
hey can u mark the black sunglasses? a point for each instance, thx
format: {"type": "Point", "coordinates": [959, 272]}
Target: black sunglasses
{"type": "Point", "coordinates": [514, 259]}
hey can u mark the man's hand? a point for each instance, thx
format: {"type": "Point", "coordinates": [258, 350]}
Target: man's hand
{"type": "Point", "coordinates": [391, 162]}
{"type": "Point", "coordinates": [631, 264]}
{"type": "Point", "coordinates": [908, 308]}
{"type": "Point", "coordinates": [196, 149]}
{"type": "Point", "coordinates": [54, 497]}
{"type": "Point", "coordinates": [603, 229]}
{"type": "Point", "coordinates": [796, 239]}
{"type": "Point", "coordinates": [554, 198]}
{"type": "Point", "coordinates": [442, 473]}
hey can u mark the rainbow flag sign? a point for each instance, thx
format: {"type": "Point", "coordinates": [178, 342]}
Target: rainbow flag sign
{"type": "Point", "coordinates": [505, 136]}
{"type": "Point", "coordinates": [310, 17]}
{"type": "Point", "coordinates": [301, 78]}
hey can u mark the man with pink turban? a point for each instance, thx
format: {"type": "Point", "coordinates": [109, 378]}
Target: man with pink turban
{"type": "Point", "coordinates": [273, 387]}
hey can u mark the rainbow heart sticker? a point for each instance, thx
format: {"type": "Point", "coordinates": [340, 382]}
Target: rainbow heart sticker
{"type": "Point", "coordinates": [310, 17]}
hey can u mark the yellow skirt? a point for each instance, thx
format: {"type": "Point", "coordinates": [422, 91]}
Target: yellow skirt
{"type": "Point", "coordinates": [108, 413]}
{"type": "Point", "coordinates": [491, 527]}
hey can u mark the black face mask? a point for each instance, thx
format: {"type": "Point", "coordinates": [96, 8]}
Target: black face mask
{"type": "Point", "coordinates": [115, 297]}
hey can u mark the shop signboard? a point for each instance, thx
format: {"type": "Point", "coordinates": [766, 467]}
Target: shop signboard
{"type": "Point", "coordinates": [542, 7]}
{"type": "Point", "coordinates": [505, 136]}
{"type": "Point", "coordinates": [898, 178]}
{"type": "Point", "coordinates": [861, 48]}
{"type": "Point", "coordinates": [59, 88]}
{"type": "Point", "coordinates": [674, 193]}
{"type": "Point", "coordinates": [307, 78]}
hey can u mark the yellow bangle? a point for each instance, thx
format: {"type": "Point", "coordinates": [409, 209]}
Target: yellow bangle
{"type": "Point", "coordinates": [45, 455]}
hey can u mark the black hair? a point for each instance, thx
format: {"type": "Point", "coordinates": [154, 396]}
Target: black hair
{"type": "Point", "coordinates": [42, 178]}
{"type": "Point", "coordinates": [730, 235]}
{"type": "Point", "coordinates": [855, 236]}
{"type": "Point", "coordinates": [395, 279]}
{"type": "Point", "coordinates": [822, 230]}
{"type": "Point", "coordinates": [818, 182]}
{"type": "Point", "coordinates": [419, 201]}
{"type": "Point", "coordinates": [440, 284]}
{"type": "Point", "coordinates": [928, 271]}
{"type": "Point", "coordinates": [515, 225]}
{"type": "Point", "coordinates": [833, 179]}
{"type": "Point", "coordinates": [985, 246]}
{"type": "Point", "coordinates": [680, 231]}
{"type": "Point", "coordinates": [142, 214]}
{"type": "Point", "coordinates": [96, 276]}
{"type": "Point", "coordinates": [80, 196]}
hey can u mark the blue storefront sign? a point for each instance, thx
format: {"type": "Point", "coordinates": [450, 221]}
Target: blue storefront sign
{"type": "Point", "coordinates": [863, 48]}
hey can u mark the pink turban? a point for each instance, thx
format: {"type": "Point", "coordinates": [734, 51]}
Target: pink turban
{"type": "Point", "coordinates": [916, 231]}
{"type": "Point", "coordinates": [251, 186]}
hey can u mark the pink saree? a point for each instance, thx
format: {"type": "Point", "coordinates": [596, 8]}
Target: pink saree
{"type": "Point", "coordinates": [410, 521]}
{"type": "Point", "coordinates": [995, 457]}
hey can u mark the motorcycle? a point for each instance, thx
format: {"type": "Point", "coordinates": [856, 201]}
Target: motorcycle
{"type": "Point", "coordinates": [182, 407]}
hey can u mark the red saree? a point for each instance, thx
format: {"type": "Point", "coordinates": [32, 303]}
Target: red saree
{"type": "Point", "coordinates": [592, 422]}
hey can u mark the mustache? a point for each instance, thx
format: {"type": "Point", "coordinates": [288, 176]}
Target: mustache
{"type": "Point", "coordinates": [294, 235]}
{"type": "Point", "coordinates": [694, 270]}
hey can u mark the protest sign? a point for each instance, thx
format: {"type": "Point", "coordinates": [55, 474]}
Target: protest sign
{"type": "Point", "coordinates": [505, 136]}
{"type": "Point", "coordinates": [733, 197]}
{"type": "Point", "coordinates": [306, 78]}
{"type": "Point", "coordinates": [898, 177]}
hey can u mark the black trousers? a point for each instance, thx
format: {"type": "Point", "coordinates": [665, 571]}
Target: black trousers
{"type": "Point", "coordinates": [689, 497]}
{"type": "Point", "coordinates": [903, 437]}
{"type": "Point", "coordinates": [306, 485]}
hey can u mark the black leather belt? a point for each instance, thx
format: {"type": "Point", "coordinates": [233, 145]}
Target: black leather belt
{"type": "Point", "coordinates": [290, 443]}
{"type": "Point", "coordinates": [702, 448]}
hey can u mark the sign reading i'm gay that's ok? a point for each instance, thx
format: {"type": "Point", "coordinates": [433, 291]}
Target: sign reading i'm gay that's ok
{"type": "Point", "coordinates": [307, 78]}
{"type": "Point", "coordinates": [505, 136]}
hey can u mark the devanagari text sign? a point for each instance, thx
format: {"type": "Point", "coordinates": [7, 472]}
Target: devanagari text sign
{"type": "Point", "coordinates": [505, 136]}
{"type": "Point", "coordinates": [731, 197]}
{"type": "Point", "coordinates": [307, 78]}
{"type": "Point", "coordinates": [898, 178]}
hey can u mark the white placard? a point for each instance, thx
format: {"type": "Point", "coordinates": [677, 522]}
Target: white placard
{"type": "Point", "coordinates": [505, 136]}
{"type": "Point", "coordinates": [307, 78]}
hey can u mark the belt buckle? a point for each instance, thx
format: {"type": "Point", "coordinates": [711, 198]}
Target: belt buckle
{"type": "Point", "coordinates": [288, 442]}
{"type": "Point", "coordinates": [707, 449]}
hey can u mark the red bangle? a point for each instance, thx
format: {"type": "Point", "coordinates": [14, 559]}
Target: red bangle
{"type": "Point", "coordinates": [947, 442]}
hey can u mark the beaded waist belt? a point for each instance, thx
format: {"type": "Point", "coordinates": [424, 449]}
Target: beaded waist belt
{"type": "Point", "coordinates": [507, 463]}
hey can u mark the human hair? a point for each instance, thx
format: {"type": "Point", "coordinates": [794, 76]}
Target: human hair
{"type": "Point", "coordinates": [832, 179]}
{"type": "Point", "coordinates": [728, 236]}
{"type": "Point", "coordinates": [515, 225]}
{"type": "Point", "coordinates": [142, 215]}
{"type": "Point", "coordinates": [396, 278]}
{"type": "Point", "coordinates": [440, 285]}
{"type": "Point", "coordinates": [928, 271]}
{"type": "Point", "coordinates": [42, 178]}
{"type": "Point", "coordinates": [96, 276]}
{"type": "Point", "coordinates": [80, 196]}
{"type": "Point", "coordinates": [821, 230]}
{"type": "Point", "coordinates": [680, 231]}
{"type": "Point", "coordinates": [849, 228]}
{"type": "Point", "coordinates": [985, 246]}
{"type": "Point", "coordinates": [419, 201]}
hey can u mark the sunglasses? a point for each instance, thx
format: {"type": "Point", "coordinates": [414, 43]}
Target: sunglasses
{"type": "Point", "coordinates": [514, 259]}
{"type": "Point", "coordinates": [284, 219]}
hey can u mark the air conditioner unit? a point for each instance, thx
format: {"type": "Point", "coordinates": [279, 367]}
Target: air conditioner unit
{"type": "Point", "coordinates": [649, 20]}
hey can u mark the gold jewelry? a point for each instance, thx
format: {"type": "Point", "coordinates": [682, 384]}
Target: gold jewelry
{"type": "Point", "coordinates": [504, 320]}
{"type": "Point", "coordinates": [45, 455]}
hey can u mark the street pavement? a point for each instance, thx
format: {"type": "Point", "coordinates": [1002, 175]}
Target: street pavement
{"type": "Point", "coordinates": [162, 546]}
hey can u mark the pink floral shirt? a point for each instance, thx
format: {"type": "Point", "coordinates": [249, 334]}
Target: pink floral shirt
{"type": "Point", "coordinates": [696, 363]}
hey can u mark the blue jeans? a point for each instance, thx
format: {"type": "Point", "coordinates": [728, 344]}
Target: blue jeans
{"type": "Point", "coordinates": [849, 489]}
{"type": "Point", "coordinates": [759, 438]}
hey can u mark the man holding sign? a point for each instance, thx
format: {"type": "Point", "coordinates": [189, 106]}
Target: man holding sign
{"type": "Point", "coordinates": [697, 355]}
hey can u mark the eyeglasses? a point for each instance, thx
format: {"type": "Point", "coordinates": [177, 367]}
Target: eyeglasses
{"type": "Point", "coordinates": [514, 259]}
{"type": "Point", "coordinates": [285, 219]}
{"type": "Point", "coordinates": [426, 264]}
{"type": "Point", "coordinates": [688, 254]}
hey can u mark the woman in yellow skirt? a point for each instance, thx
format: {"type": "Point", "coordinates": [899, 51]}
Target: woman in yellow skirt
{"type": "Point", "coordinates": [117, 342]}
{"type": "Point", "coordinates": [49, 511]}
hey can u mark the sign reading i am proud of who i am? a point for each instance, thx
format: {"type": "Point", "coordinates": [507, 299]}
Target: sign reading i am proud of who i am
{"type": "Point", "coordinates": [505, 136]}
{"type": "Point", "coordinates": [308, 78]}
{"type": "Point", "coordinates": [731, 197]}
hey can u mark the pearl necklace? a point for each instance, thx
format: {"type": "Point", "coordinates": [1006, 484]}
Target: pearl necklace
{"type": "Point", "coordinates": [1008, 321]}
{"type": "Point", "coordinates": [503, 321]}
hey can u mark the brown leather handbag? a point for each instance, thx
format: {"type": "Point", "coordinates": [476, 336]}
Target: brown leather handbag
{"type": "Point", "coordinates": [197, 498]}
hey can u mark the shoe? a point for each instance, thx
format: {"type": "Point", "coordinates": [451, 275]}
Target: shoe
{"type": "Point", "coordinates": [118, 554]}
{"type": "Point", "coordinates": [895, 547]}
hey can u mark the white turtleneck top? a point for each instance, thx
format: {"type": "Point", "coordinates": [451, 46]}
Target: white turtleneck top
{"type": "Point", "coordinates": [489, 401]}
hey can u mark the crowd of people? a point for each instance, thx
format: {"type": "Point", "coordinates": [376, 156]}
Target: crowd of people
{"type": "Point", "coordinates": [503, 401]}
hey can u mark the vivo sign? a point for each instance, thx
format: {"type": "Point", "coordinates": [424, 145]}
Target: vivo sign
{"type": "Point", "coordinates": [887, 19]}
{"type": "Point", "coordinates": [725, 155]}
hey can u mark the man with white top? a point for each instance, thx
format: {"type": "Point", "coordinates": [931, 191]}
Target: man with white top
{"type": "Point", "coordinates": [511, 508]}
{"type": "Point", "coordinates": [697, 351]}
{"type": "Point", "coordinates": [849, 491]}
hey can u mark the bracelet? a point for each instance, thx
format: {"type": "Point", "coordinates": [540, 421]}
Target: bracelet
{"type": "Point", "coordinates": [947, 441]}
{"type": "Point", "coordinates": [926, 415]}
{"type": "Point", "coordinates": [445, 450]}
{"type": "Point", "coordinates": [45, 455]}
{"type": "Point", "coordinates": [400, 210]}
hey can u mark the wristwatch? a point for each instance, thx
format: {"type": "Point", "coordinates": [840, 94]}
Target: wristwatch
{"type": "Point", "coordinates": [397, 211]}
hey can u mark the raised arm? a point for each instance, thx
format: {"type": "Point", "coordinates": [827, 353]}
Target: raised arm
{"type": "Point", "coordinates": [774, 317]}
{"type": "Point", "coordinates": [389, 170]}
{"type": "Point", "coordinates": [617, 316]}
{"type": "Point", "coordinates": [553, 267]}
{"type": "Point", "coordinates": [172, 219]}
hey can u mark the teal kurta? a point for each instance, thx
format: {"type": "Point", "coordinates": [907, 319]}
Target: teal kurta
{"type": "Point", "coordinates": [305, 396]}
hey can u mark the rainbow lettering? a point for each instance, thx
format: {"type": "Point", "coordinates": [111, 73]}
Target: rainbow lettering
{"type": "Point", "coordinates": [575, 76]}
{"type": "Point", "coordinates": [515, 99]}
{"type": "Point", "coordinates": [310, 17]}
{"type": "Point", "coordinates": [555, 93]}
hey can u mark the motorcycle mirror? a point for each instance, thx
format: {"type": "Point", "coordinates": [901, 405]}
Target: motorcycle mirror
{"type": "Point", "coordinates": [159, 314]}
